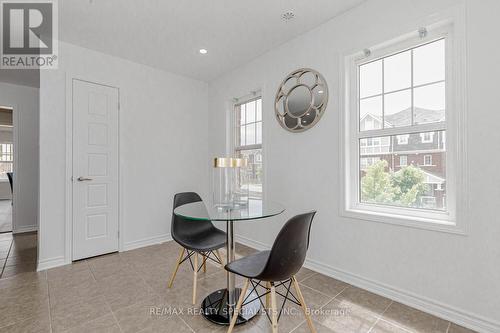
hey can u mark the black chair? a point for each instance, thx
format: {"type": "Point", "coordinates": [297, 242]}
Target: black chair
{"type": "Point", "coordinates": [277, 266]}
{"type": "Point", "coordinates": [195, 238]}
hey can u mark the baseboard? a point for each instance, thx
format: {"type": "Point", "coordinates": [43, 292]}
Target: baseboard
{"type": "Point", "coordinates": [438, 309]}
{"type": "Point", "coordinates": [21, 230]}
{"type": "Point", "coordinates": [146, 242]}
{"type": "Point", "coordinates": [50, 263]}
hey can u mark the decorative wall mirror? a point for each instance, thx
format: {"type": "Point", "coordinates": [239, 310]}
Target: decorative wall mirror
{"type": "Point", "coordinates": [301, 100]}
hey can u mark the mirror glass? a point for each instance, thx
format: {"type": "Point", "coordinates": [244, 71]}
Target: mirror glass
{"type": "Point", "coordinates": [301, 100]}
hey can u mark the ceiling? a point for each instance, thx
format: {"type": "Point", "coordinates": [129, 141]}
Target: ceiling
{"type": "Point", "coordinates": [168, 34]}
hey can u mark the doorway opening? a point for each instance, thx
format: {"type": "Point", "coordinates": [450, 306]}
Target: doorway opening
{"type": "Point", "coordinates": [6, 168]}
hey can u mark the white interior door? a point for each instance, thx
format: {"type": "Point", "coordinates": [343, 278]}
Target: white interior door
{"type": "Point", "coordinates": [95, 169]}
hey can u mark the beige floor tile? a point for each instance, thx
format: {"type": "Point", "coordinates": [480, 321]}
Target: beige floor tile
{"type": "Point", "coordinates": [362, 300]}
{"type": "Point", "coordinates": [325, 284]}
{"type": "Point", "coordinates": [24, 279]}
{"type": "Point", "coordinates": [304, 328]}
{"type": "Point", "coordinates": [142, 315]}
{"type": "Point", "coordinates": [77, 293]}
{"type": "Point", "coordinates": [340, 317]}
{"type": "Point", "coordinates": [10, 271]}
{"type": "Point", "coordinates": [304, 273]}
{"type": "Point", "coordinates": [454, 328]}
{"type": "Point", "coordinates": [37, 324]}
{"type": "Point", "coordinates": [65, 317]}
{"type": "Point", "coordinates": [69, 275]}
{"type": "Point", "coordinates": [24, 293]}
{"type": "Point", "coordinates": [108, 265]}
{"type": "Point", "coordinates": [168, 326]}
{"type": "Point", "coordinates": [383, 326]}
{"type": "Point", "coordinates": [414, 320]}
{"type": "Point", "coordinates": [123, 290]}
{"type": "Point", "coordinates": [105, 324]}
{"type": "Point", "coordinates": [12, 313]}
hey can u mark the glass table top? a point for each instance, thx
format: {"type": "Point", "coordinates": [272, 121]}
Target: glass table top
{"type": "Point", "coordinates": [256, 209]}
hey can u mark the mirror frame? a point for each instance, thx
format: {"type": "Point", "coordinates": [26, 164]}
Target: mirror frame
{"type": "Point", "coordinates": [283, 93]}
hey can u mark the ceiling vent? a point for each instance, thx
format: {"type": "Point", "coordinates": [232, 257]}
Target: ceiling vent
{"type": "Point", "coordinates": [287, 16]}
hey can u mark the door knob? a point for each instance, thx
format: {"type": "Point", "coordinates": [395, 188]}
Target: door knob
{"type": "Point", "coordinates": [83, 179]}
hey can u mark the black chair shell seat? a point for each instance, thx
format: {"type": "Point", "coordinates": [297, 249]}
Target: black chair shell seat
{"type": "Point", "coordinates": [202, 241]}
{"type": "Point", "coordinates": [197, 235]}
{"type": "Point", "coordinates": [279, 265]}
{"type": "Point", "coordinates": [196, 238]}
{"type": "Point", "coordinates": [286, 256]}
{"type": "Point", "coordinates": [250, 266]}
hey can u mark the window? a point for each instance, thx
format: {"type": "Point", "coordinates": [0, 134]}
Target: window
{"type": "Point", "coordinates": [399, 98]}
{"type": "Point", "coordinates": [403, 139]}
{"type": "Point", "coordinates": [6, 159]}
{"type": "Point", "coordinates": [248, 143]}
{"type": "Point", "coordinates": [427, 137]}
{"type": "Point", "coordinates": [403, 160]}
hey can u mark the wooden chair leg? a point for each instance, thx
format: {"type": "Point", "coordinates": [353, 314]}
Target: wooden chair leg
{"type": "Point", "coordinates": [268, 295]}
{"type": "Point", "coordinates": [181, 254]}
{"type": "Point", "coordinates": [303, 304]}
{"type": "Point", "coordinates": [238, 306]}
{"type": "Point", "coordinates": [204, 264]}
{"type": "Point", "coordinates": [195, 277]}
{"type": "Point", "coordinates": [274, 310]}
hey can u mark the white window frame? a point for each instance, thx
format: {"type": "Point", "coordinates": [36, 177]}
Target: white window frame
{"type": "Point", "coordinates": [406, 160]}
{"type": "Point", "coordinates": [451, 26]}
{"type": "Point", "coordinates": [425, 162]}
{"type": "Point", "coordinates": [423, 137]}
{"type": "Point", "coordinates": [235, 128]}
{"type": "Point", "coordinates": [403, 139]}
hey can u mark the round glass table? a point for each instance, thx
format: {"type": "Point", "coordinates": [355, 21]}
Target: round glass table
{"type": "Point", "coordinates": [218, 307]}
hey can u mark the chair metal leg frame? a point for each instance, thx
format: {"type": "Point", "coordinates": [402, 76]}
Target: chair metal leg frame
{"type": "Point", "coordinates": [270, 294]}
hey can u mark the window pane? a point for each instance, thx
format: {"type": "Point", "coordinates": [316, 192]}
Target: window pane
{"type": "Point", "coordinates": [370, 113]}
{"type": "Point", "coordinates": [429, 63]}
{"type": "Point", "coordinates": [370, 77]}
{"type": "Point", "coordinates": [258, 109]}
{"type": "Point", "coordinates": [242, 114]}
{"type": "Point", "coordinates": [253, 172]}
{"type": "Point", "coordinates": [242, 137]}
{"type": "Point", "coordinates": [430, 103]}
{"type": "Point", "coordinates": [397, 71]}
{"type": "Point", "coordinates": [250, 134]}
{"type": "Point", "coordinates": [251, 112]}
{"type": "Point", "coordinates": [388, 177]}
{"type": "Point", "coordinates": [259, 133]}
{"type": "Point", "coordinates": [397, 109]}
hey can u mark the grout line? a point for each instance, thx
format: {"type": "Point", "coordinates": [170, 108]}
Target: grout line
{"type": "Point", "coordinates": [192, 330]}
{"type": "Point", "coordinates": [48, 300]}
{"type": "Point", "coordinates": [6, 258]}
{"type": "Point", "coordinates": [379, 317]}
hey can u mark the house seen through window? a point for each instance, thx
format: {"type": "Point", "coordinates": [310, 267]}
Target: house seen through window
{"type": "Point", "coordinates": [248, 144]}
{"type": "Point", "coordinates": [400, 94]}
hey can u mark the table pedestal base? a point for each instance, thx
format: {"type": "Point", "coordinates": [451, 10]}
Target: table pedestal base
{"type": "Point", "coordinates": [215, 308]}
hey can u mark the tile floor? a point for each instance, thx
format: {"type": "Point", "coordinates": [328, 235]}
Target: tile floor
{"type": "Point", "coordinates": [5, 215]}
{"type": "Point", "coordinates": [18, 254]}
{"type": "Point", "coordinates": [127, 292]}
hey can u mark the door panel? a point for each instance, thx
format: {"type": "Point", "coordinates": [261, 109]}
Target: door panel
{"type": "Point", "coordinates": [95, 169]}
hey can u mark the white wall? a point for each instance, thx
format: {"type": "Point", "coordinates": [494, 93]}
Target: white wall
{"type": "Point", "coordinates": [451, 275]}
{"type": "Point", "coordinates": [24, 101]}
{"type": "Point", "coordinates": [163, 145]}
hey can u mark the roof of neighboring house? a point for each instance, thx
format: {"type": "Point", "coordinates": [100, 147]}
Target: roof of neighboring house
{"type": "Point", "coordinates": [403, 118]}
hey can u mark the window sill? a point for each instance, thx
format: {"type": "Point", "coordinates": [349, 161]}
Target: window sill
{"type": "Point", "coordinates": [418, 222]}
